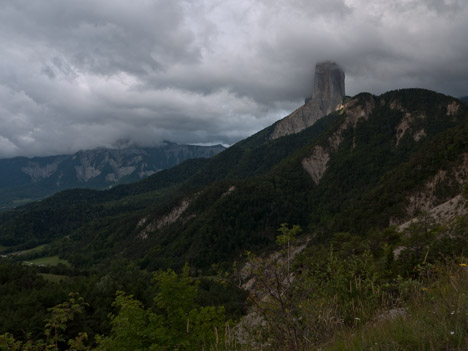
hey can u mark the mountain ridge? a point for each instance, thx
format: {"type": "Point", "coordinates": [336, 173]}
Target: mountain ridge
{"type": "Point", "coordinates": [24, 179]}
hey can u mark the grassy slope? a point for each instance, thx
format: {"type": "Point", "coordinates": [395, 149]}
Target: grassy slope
{"type": "Point", "coordinates": [49, 261]}
{"type": "Point", "coordinates": [436, 318]}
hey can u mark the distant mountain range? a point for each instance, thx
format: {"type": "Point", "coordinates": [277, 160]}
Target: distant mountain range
{"type": "Point", "coordinates": [24, 179]}
{"type": "Point", "coordinates": [464, 98]}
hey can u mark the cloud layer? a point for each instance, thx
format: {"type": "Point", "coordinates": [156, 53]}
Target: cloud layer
{"type": "Point", "coordinates": [81, 74]}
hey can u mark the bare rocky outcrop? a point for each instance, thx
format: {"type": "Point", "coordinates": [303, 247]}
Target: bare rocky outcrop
{"type": "Point", "coordinates": [403, 126]}
{"type": "Point", "coordinates": [426, 200]}
{"type": "Point", "coordinates": [229, 191]}
{"type": "Point", "coordinates": [452, 108]}
{"type": "Point", "coordinates": [37, 171]}
{"type": "Point", "coordinates": [86, 172]}
{"type": "Point", "coordinates": [316, 164]}
{"type": "Point", "coordinates": [255, 278]}
{"type": "Point", "coordinates": [158, 223]}
{"type": "Point", "coordinates": [355, 110]}
{"type": "Point", "coordinates": [329, 90]}
{"type": "Point", "coordinates": [396, 105]}
{"type": "Point", "coordinates": [443, 213]}
{"type": "Point", "coordinates": [173, 216]}
{"type": "Point", "coordinates": [409, 121]}
{"type": "Point", "coordinates": [418, 135]}
{"type": "Point", "coordinates": [406, 126]}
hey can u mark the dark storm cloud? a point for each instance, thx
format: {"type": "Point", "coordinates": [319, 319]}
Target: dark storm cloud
{"type": "Point", "coordinates": [81, 74]}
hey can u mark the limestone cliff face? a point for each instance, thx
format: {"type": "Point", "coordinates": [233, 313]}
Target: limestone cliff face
{"type": "Point", "coordinates": [329, 90]}
{"type": "Point", "coordinates": [111, 165]}
{"type": "Point", "coordinates": [34, 178]}
{"type": "Point", "coordinates": [428, 197]}
{"type": "Point", "coordinates": [329, 86]}
{"type": "Point", "coordinates": [317, 163]}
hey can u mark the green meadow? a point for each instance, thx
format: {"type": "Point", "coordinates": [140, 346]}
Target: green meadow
{"type": "Point", "coordinates": [49, 261]}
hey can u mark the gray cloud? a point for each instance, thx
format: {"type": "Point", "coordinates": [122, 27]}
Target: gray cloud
{"type": "Point", "coordinates": [81, 74]}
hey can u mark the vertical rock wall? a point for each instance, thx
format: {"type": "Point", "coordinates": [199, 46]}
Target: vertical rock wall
{"type": "Point", "coordinates": [329, 90]}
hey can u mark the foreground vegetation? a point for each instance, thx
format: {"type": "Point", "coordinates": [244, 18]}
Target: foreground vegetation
{"type": "Point", "coordinates": [435, 318]}
{"type": "Point", "coordinates": [388, 290]}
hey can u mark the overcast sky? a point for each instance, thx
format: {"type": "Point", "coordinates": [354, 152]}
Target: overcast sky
{"type": "Point", "coordinates": [77, 74]}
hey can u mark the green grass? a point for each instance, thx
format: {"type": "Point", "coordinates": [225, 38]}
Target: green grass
{"type": "Point", "coordinates": [49, 261]}
{"type": "Point", "coordinates": [436, 319]}
{"type": "Point", "coordinates": [31, 251]}
{"type": "Point", "coordinates": [3, 248]}
{"type": "Point", "coordinates": [54, 278]}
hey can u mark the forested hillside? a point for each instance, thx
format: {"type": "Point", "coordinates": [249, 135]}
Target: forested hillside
{"type": "Point", "coordinates": [376, 291]}
{"type": "Point", "coordinates": [374, 195]}
{"type": "Point", "coordinates": [206, 212]}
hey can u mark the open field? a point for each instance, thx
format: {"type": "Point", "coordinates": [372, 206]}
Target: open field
{"type": "Point", "coordinates": [49, 261]}
{"type": "Point", "coordinates": [30, 251]}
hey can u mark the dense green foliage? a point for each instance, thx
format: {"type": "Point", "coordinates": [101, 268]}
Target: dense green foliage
{"type": "Point", "coordinates": [27, 294]}
{"type": "Point", "coordinates": [356, 292]}
{"type": "Point", "coordinates": [176, 322]}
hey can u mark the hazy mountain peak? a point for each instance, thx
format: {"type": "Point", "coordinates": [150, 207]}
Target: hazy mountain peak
{"type": "Point", "coordinates": [122, 143]}
{"type": "Point", "coordinates": [329, 90]}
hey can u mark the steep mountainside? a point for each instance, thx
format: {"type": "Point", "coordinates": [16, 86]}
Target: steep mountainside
{"type": "Point", "coordinates": [327, 96]}
{"type": "Point", "coordinates": [375, 162]}
{"type": "Point", "coordinates": [26, 179]}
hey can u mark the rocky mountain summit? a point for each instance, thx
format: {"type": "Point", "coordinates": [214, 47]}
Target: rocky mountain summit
{"type": "Point", "coordinates": [328, 93]}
